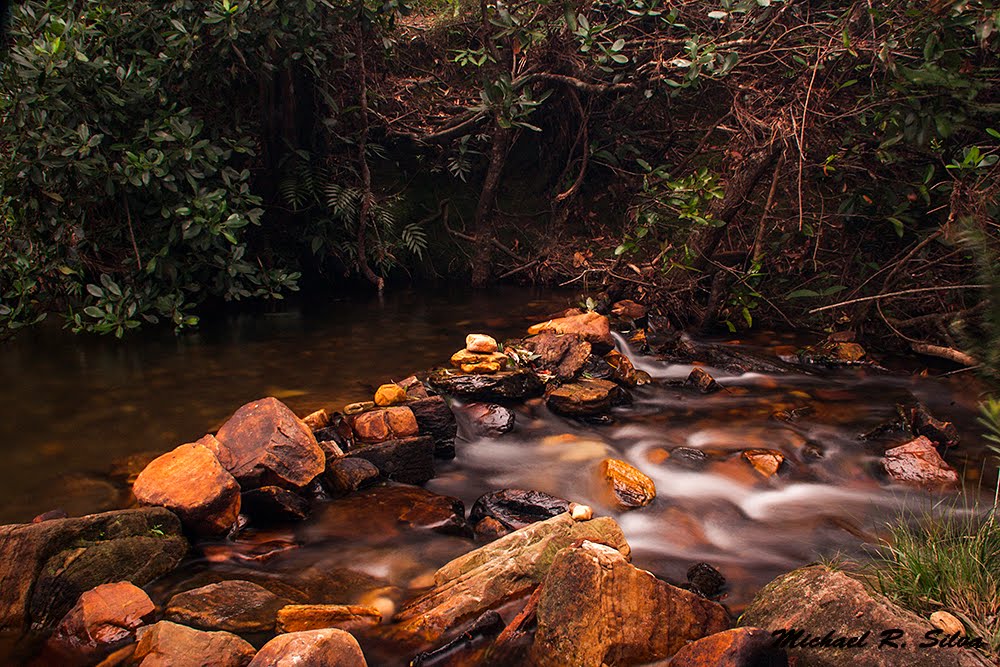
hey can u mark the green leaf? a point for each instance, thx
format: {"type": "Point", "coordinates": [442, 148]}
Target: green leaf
{"type": "Point", "coordinates": [619, 58]}
{"type": "Point", "coordinates": [718, 15]}
{"type": "Point", "coordinates": [993, 133]}
{"type": "Point", "coordinates": [618, 45]}
{"type": "Point", "coordinates": [94, 312]}
{"type": "Point", "coordinates": [802, 293]}
{"type": "Point", "coordinates": [897, 224]}
{"type": "Point", "coordinates": [94, 290]}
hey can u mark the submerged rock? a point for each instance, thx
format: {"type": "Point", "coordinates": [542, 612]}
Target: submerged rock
{"type": "Point", "coordinates": [591, 326]}
{"type": "Point", "coordinates": [516, 508]}
{"type": "Point", "coordinates": [765, 461]}
{"type": "Point", "coordinates": [596, 608]}
{"type": "Point", "coordinates": [514, 385]}
{"type": "Point", "coordinates": [918, 462]}
{"type": "Point", "coordinates": [816, 599]}
{"type": "Point", "coordinates": [265, 444]}
{"type": "Point", "coordinates": [687, 457]}
{"type": "Point", "coordinates": [103, 619]}
{"type": "Point", "coordinates": [299, 617]}
{"type": "Point", "coordinates": [45, 567]}
{"type": "Point", "coordinates": [167, 644]}
{"type": "Point", "coordinates": [192, 483]}
{"type": "Point", "coordinates": [833, 353]}
{"type": "Point", "coordinates": [586, 398]}
{"type": "Point", "coordinates": [629, 487]}
{"type": "Point", "coordinates": [311, 648]}
{"type": "Point", "coordinates": [488, 420]}
{"type": "Point", "coordinates": [234, 606]}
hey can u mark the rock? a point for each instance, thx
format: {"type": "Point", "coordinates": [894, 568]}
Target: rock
{"type": "Point", "coordinates": [167, 644]}
{"type": "Point", "coordinates": [488, 529]}
{"type": "Point", "coordinates": [592, 327]}
{"type": "Point", "coordinates": [339, 433]}
{"type": "Point", "coordinates": [191, 482]}
{"type": "Point", "coordinates": [586, 398]}
{"type": "Point", "coordinates": [833, 353]}
{"type": "Point", "coordinates": [414, 388]}
{"type": "Point", "coordinates": [737, 647]}
{"type": "Point", "coordinates": [265, 444]}
{"type": "Point", "coordinates": [488, 420]}
{"type": "Point", "coordinates": [816, 600]}
{"type": "Point", "coordinates": [361, 406]}
{"type": "Point", "coordinates": [126, 469]}
{"type": "Point", "coordinates": [103, 619]}
{"type": "Point", "coordinates": [407, 460]}
{"type": "Point", "coordinates": [563, 356]}
{"type": "Point", "coordinates": [317, 420]}
{"type": "Point", "coordinates": [627, 309]}
{"type": "Point", "coordinates": [435, 418]}
{"type": "Point", "coordinates": [581, 512]}
{"type": "Point", "coordinates": [596, 608]}
{"type": "Point", "coordinates": [947, 623]}
{"type": "Point", "coordinates": [705, 580]}
{"type": "Point", "coordinates": [687, 457]}
{"type": "Point", "coordinates": [471, 362]}
{"type": "Point", "coordinates": [516, 508]}
{"type": "Point", "coordinates": [385, 511]}
{"type": "Point", "coordinates": [942, 432]}
{"type": "Point", "coordinates": [50, 515]}
{"type": "Point", "coordinates": [299, 617]}
{"type": "Point", "coordinates": [270, 504]}
{"type": "Point", "coordinates": [629, 487]}
{"type": "Point", "coordinates": [384, 424]}
{"type": "Point", "coordinates": [918, 462]}
{"type": "Point", "coordinates": [702, 381]}
{"type": "Point", "coordinates": [481, 343]}
{"type": "Point", "coordinates": [45, 567]}
{"type": "Point", "coordinates": [624, 373]}
{"type": "Point", "coordinates": [390, 394]}
{"type": "Point", "coordinates": [514, 385]}
{"type": "Point", "coordinates": [502, 570]}
{"type": "Point", "coordinates": [311, 648]}
{"type": "Point", "coordinates": [234, 606]}
{"type": "Point", "coordinates": [765, 461]}
{"type": "Point", "coordinates": [348, 474]}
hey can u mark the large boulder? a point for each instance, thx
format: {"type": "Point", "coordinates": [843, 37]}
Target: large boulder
{"type": "Point", "coordinates": [311, 648]}
{"type": "Point", "coordinates": [265, 444]}
{"type": "Point", "coordinates": [234, 606]}
{"type": "Point", "coordinates": [595, 608]}
{"type": "Point", "coordinates": [918, 462]}
{"type": "Point", "coordinates": [45, 567]}
{"type": "Point", "coordinates": [191, 483]}
{"type": "Point", "coordinates": [103, 619]}
{"type": "Point", "coordinates": [505, 569]}
{"type": "Point", "coordinates": [586, 398]}
{"type": "Point", "coordinates": [828, 619]}
{"type": "Point", "coordinates": [512, 385]}
{"type": "Point", "coordinates": [167, 644]}
{"type": "Point", "coordinates": [562, 355]}
{"type": "Point", "coordinates": [737, 647]}
{"type": "Point", "coordinates": [591, 326]}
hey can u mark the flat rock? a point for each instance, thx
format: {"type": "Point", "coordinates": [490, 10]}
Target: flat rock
{"type": "Point", "coordinates": [629, 487]}
{"type": "Point", "coordinates": [347, 617]}
{"type": "Point", "coordinates": [270, 504]}
{"type": "Point", "coordinates": [265, 444]}
{"type": "Point", "coordinates": [513, 385]}
{"type": "Point", "coordinates": [384, 424]}
{"type": "Point", "coordinates": [816, 599]}
{"type": "Point", "coordinates": [472, 362]}
{"type": "Point", "coordinates": [596, 608]}
{"type": "Point", "coordinates": [517, 508]}
{"type": "Point", "coordinates": [233, 606]}
{"type": "Point", "coordinates": [562, 355]}
{"type": "Point", "coordinates": [167, 644]}
{"type": "Point", "coordinates": [348, 474]}
{"type": "Point", "coordinates": [591, 326]}
{"type": "Point", "coordinates": [500, 571]}
{"type": "Point", "coordinates": [406, 460]}
{"type": "Point", "coordinates": [736, 647]}
{"type": "Point", "coordinates": [103, 619]}
{"type": "Point", "coordinates": [918, 462]}
{"type": "Point", "coordinates": [45, 567]}
{"type": "Point", "coordinates": [190, 482]}
{"type": "Point", "coordinates": [586, 398]}
{"type": "Point", "coordinates": [311, 648]}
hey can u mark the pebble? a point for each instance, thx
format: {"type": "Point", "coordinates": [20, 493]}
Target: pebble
{"type": "Point", "coordinates": [581, 512]}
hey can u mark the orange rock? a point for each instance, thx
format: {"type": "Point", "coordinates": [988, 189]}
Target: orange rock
{"type": "Point", "coordinates": [592, 327]}
{"type": "Point", "coordinates": [311, 648]}
{"type": "Point", "coordinates": [192, 483]}
{"type": "Point", "coordinates": [493, 360]}
{"type": "Point", "coordinates": [629, 487]}
{"type": "Point", "coordinates": [317, 420]}
{"type": "Point", "coordinates": [485, 367]}
{"type": "Point", "coordinates": [104, 618]}
{"type": "Point", "coordinates": [298, 617]}
{"type": "Point", "coordinates": [628, 310]}
{"type": "Point", "coordinates": [167, 644]}
{"type": "Point", "coordinates": [918, 462]}
{"type": "Point", "coordinates": [390, 394]}
{"type": "Point", "coordinates": [730, 648]}
{"type": "Point", "coordinates": [481, 343]}
{"type": "Point", "coordinates": [764, 461]}
{"type": "Point", "coordinates": [232, 605]}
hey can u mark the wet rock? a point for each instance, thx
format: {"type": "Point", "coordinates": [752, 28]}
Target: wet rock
{"type": "Point", "coordinates": [517, 508]}
{"type": "Point", "coordinates": [265, 444]}
{"type": "Point", "coordinates": [737, 647]}
{"type": "Point", "coordinates": [270, 504]}
{"type": "Point", "coordinates": [234, 606]}
{"type": "Point", "coordinates": [705, 580]}
{"type": "Point", "coordinates": [467, 648]}
{"type": "Point", "coordinates": [414, 388]}
{"type": "Point", "coordinates": [918, 462]}
{"type": "Point", "coordinates": [502, 570]}
{"type": "Point", "coordinates": [311, 648]}
{"type": "Point", "coordinates": [488, 420]}
{"type": "Point", "coordinates": [103, 619]}
{"type": "Point", "coordinates": [339, 433]}
{"type": "Point", "coordinates": [385, 511]}
{"type": "Point", "coordinates": [627, 309]}
{"type": "Point", "coordinates": [488, 529]}
{"type": "Point", "coordinates": [390, 394]}
{"type": "Point", "coordinates": [596, 608]}
{"type": "Point", "coordinates": [586, 398]}
{"type": "Point", "coordinates": [50, 515]}
{"type": "Point", "coordinates": [359, 407]}
{"type": "Point", "coordinates": [167, 644]}
{"type": "Point", "coordinates": [765, 461]}
{"type": "Point", "coordinates": [471, 362]}
{"type": "Point", "coordinates": [481, 343]}
{"type": "Point", "coordinates": [624, 373]}
{"type": "Point", "coordinates": [299, 617]}
{"type": "Point", "coordinates": [629, 487]}
{"type": "Point", "coordinates": [700, 379]}
{"type": "Point", "coordinates": [833, 353]}
{"type": "Point", "coordinates": [45, 567]}
{"type": "Point", "coordinates": [407, 460]}
{"type": "Point", "coordinates": [562, 355]}
{"type": "Point", "coordinates": [435, 418]}
{"type": "Point", "coordinates": [688, 458]}
{"type": "Point", "coordinates": [384, 424]}
{"type": "Point", "coordinates": [317, 420]}
{"type": "Point", "coordinates": [348, 474]}
{"type": "Point", "coordinates": [190, 482]}
{"type": "Point", "coordinates": [816, 599]}
{"type": "Point", "coordinates": [592, 327]}
{"type": "Point", "coordinates": [517, 384]}
{"type": "Point", "coordinates": [925, 424]}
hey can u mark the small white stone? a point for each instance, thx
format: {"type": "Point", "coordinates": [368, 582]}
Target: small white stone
{"type": "Point", "coordinates": [481, 344]}
{"type": "Point", "coordinates": [581, 512]}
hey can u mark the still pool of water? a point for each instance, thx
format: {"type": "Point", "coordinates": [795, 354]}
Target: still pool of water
{"type": "Point", "coordinates": [70, 406]}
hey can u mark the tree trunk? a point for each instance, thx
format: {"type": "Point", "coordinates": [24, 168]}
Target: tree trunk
{"type": "Point", "coordinates": [366, 176]}
{"type": "Point", "coordinates": [482, 263]}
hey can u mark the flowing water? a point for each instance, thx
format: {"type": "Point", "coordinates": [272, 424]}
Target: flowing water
{"type": "Point", "coordinates": [70, 406]}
